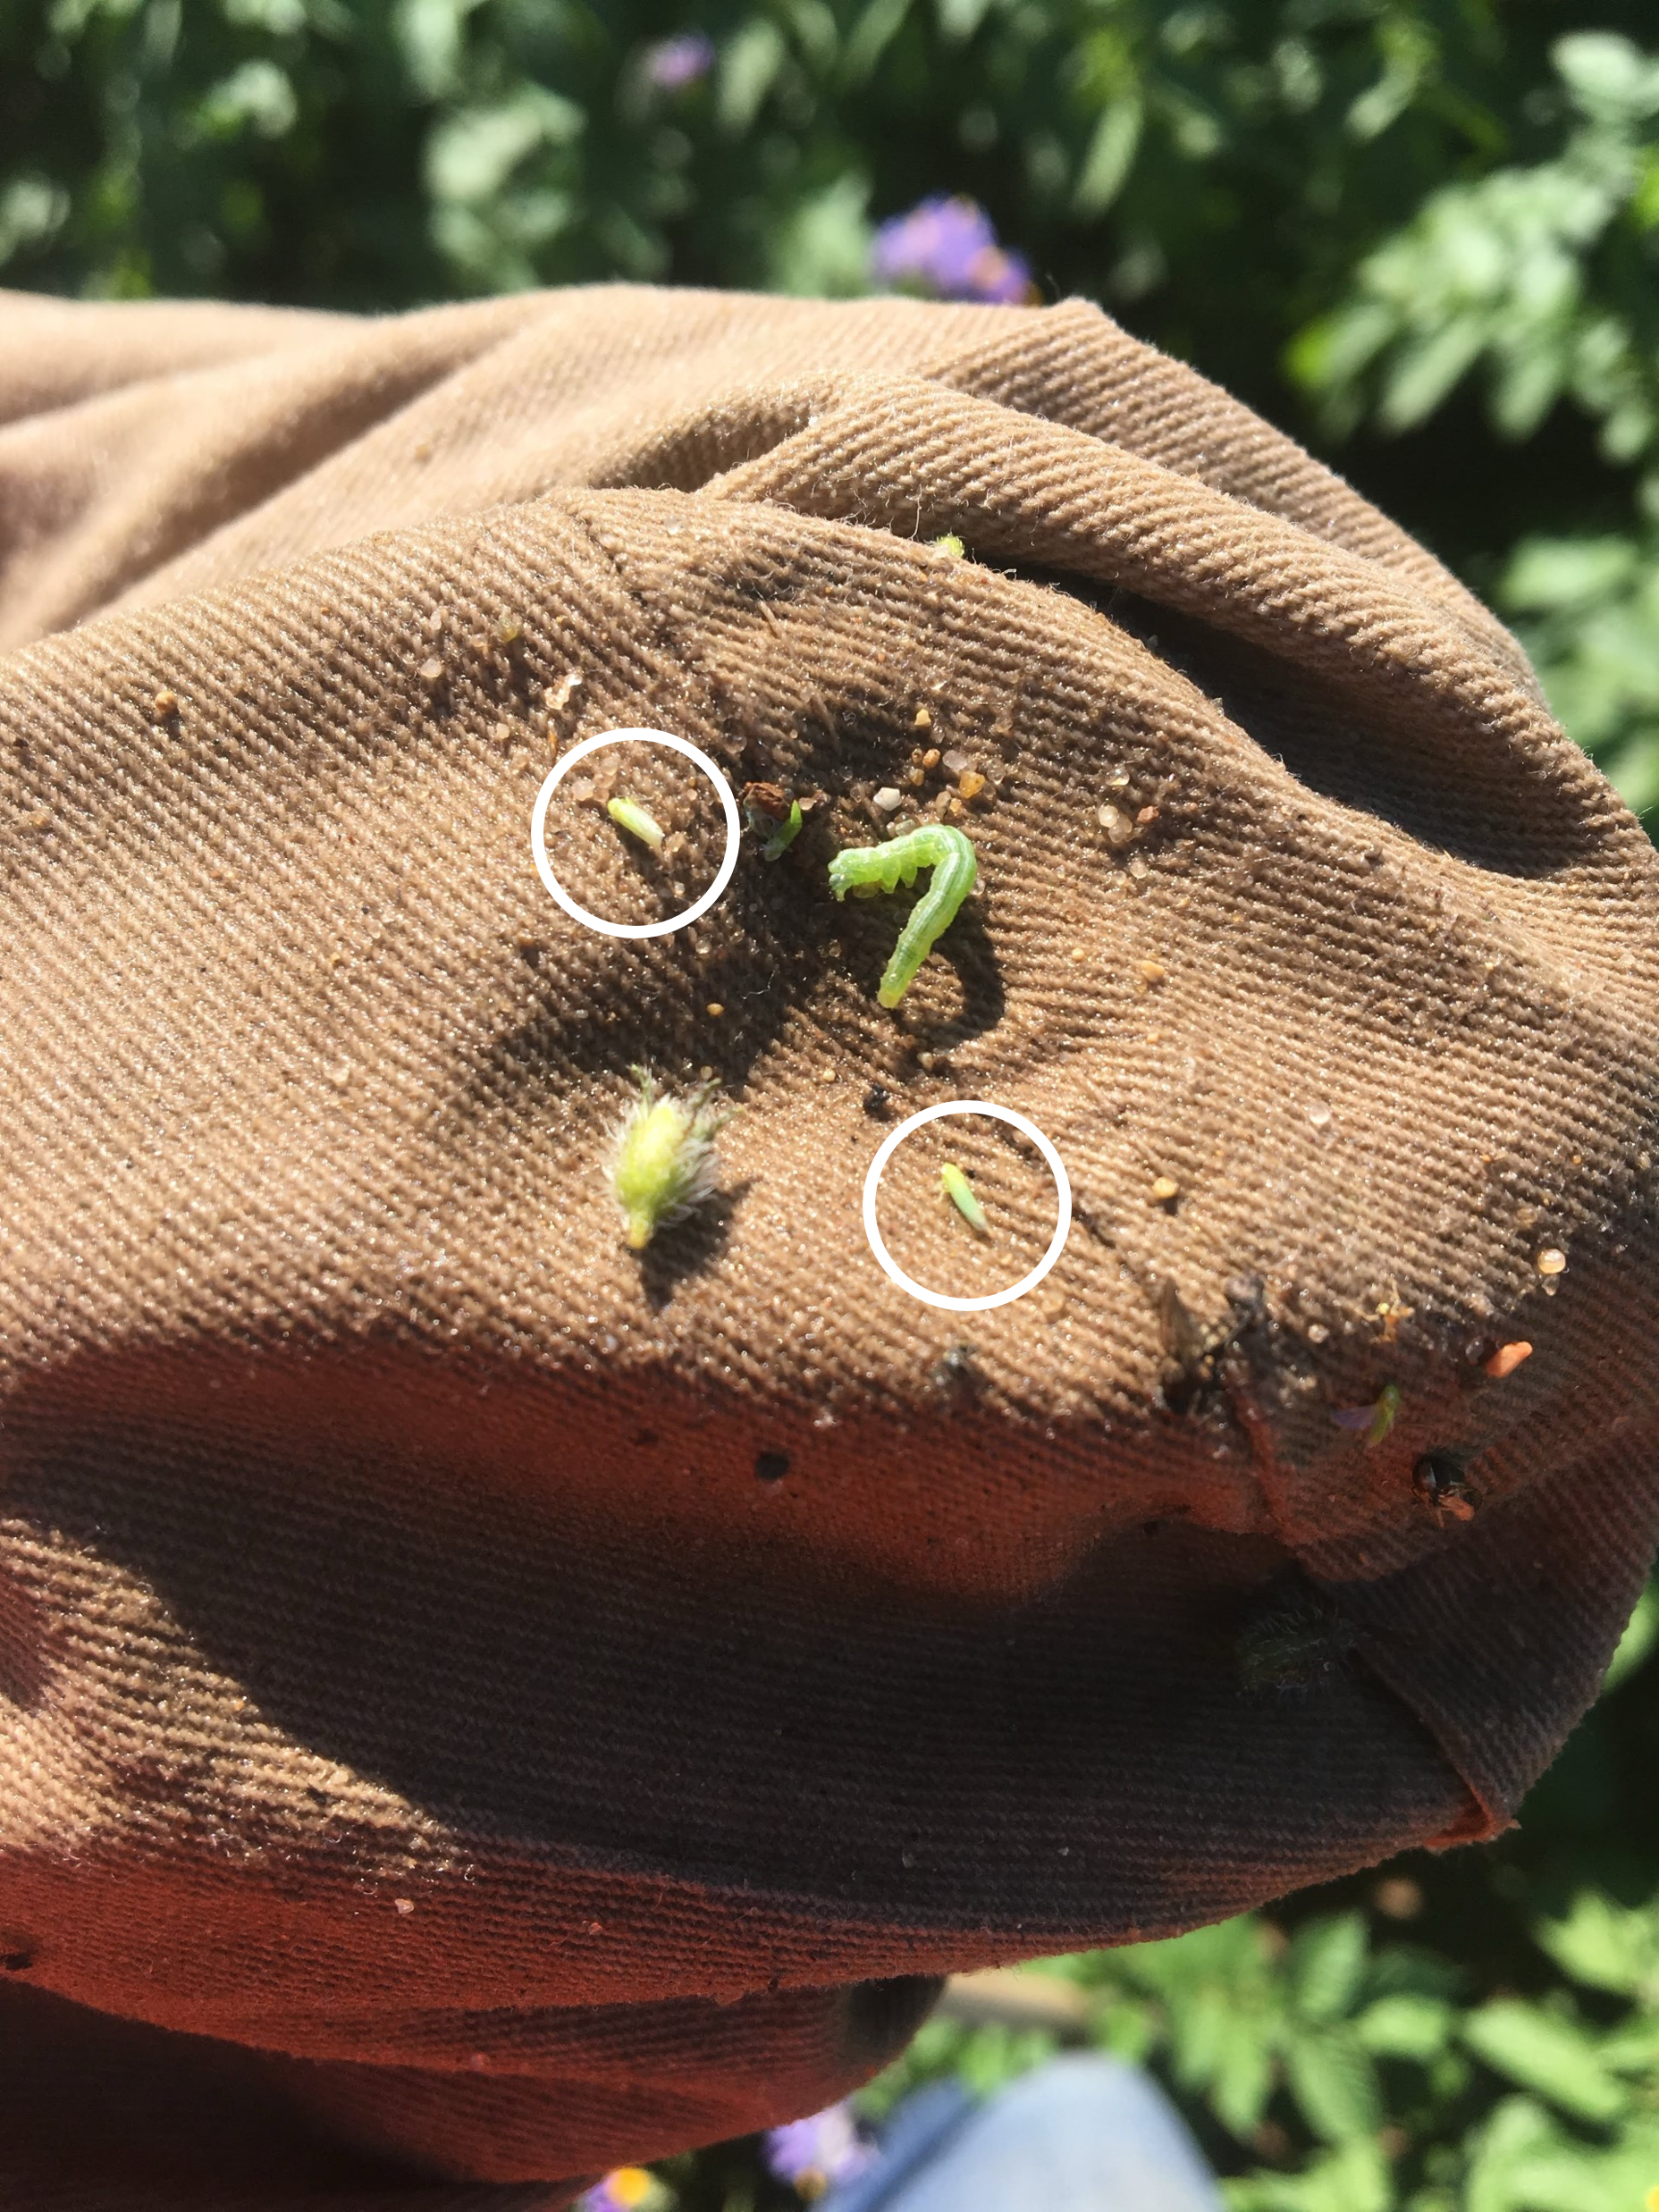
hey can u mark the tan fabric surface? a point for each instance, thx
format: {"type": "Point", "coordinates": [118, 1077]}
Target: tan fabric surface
{"type": "Point", "coordinates": [476, 1703]}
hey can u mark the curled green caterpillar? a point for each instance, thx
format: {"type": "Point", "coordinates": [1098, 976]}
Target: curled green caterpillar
{"type": "Point", "coordinates": [948, 854]}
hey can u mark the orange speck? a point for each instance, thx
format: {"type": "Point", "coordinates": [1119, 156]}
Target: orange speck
{"type": "Point", "coordinates": [1550, 1261]}
{"type": "Point", "coordinates": [1506, 1360]}
{"type": "Point", "coordinates": [1165, 1188]}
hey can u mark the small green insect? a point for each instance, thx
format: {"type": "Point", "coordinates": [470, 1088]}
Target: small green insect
{"type": "Point", "coordinates": [949, 543]}
{"type": "Point", "coordinates": [1440, 1484]}
{"type": "Point", "coordinates": [1376, 1419]}
{"type": "Point", "coordinates": [629, 815]}
{"type": "Point", "coordinates": [664, 1165]}
{"type": "Point", "coordinates": [884, 867]}
{"type": "Point", "coordinates": [959, 1191]}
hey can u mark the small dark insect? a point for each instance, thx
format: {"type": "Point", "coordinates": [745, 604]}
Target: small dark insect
{"type": "Point", "coordinates": [771, 1466]}
{"type": "Point", "coordinates": [877, 1100]}
{"type": "Point", "coordinates": [1439, 1483]}
{"type": "Point", "coordinates": [1293, 1646]}
{"type": "Point", "coordinates": [1192, 1353]}
{"type": "Point", "coordinates": [954, 1369]}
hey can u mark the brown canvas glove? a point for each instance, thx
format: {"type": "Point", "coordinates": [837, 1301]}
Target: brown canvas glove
{"type": "Point", "coordinates": [482, 1702]}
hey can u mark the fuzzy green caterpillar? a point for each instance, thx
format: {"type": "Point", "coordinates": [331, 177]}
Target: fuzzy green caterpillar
{"type": "Point", "coordinates": [935, 845]}
{"type": "Point", "coordinates": [663, 1166]}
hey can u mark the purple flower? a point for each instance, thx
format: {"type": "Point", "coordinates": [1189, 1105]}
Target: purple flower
{"type": "Point", "coordinates": [673, 63]}
{"type": "Point", "coordinates": [945, 248]}
{"type": "Point", "coordinates": [816, 2153]}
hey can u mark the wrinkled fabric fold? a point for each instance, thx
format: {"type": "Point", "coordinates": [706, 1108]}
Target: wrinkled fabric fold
{"type": "Point", "coordinates": [479, 1705]}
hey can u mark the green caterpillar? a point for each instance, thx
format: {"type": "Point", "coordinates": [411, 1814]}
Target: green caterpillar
{"type": "Point", "coordinates": [629, 815]}
{"type": "Point", "coordinates": [663, 1165]}
{"type": "Point", "coordinates": [959, 1191]}
{"type": "Point", "coordinates": [948, 854]}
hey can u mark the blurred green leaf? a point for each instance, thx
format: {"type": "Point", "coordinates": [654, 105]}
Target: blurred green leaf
{"type": "Point", "coordinates": [32, 209]}
{"type": "Point", "coordinates": [1606, 1945]}
{"type": "Point", "coordinates": [473, 151]}
{"type": "Point", "coordinates": [1354, 2178]}
{"type": "Point", "coordinates": [1521, 2160]}
{"type": "Point", "coordinates": [1333, 2079]}
{"type": "Point", "coordinates": [821, 248]}
{"type": "Point", "coordinates": [1554, 2058]}
{"type": "Point", "coordinates": [1241, 2077]}
{"type": "Point", "coordinates": [1406, 2027]}
{"type": "Point", "coordinates": [1641, 1634]}
{"type": "Point", "coordinates": [749, 67]}
{"type": "Point", "coordinates": [1327, 1964]}
{"type": "Point", "coordinates": [1587, 612]}
{"type": "Point", "coordinates": [257, 96]}
{"type": "Point", "coordinates": [1541, 272]}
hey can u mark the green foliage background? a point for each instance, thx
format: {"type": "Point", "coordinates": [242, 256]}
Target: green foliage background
{"type": "Point", "coordinates": [1421, 234]}
{"type": "Point", "coordinates": [1424, 234]}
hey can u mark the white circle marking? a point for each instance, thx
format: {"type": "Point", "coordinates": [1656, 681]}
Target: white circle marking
{"type": "Point", "coordinates": [1062, 1228]}
{"type": "Point", "coordinates": [538, 832]}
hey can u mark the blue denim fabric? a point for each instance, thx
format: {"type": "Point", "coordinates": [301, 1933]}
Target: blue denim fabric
{"type": "Point", "coordinates": [1081, 2134]}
